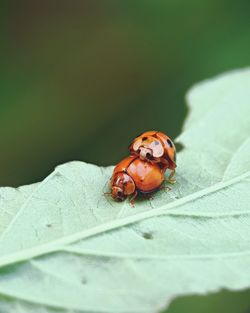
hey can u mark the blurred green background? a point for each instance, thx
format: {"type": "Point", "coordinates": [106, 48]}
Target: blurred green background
{"type": "Point", "coordinates": [79, 79]}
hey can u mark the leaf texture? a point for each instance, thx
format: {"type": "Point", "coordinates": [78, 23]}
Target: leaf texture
{"type": "Point", "coordinates": [65, 247]}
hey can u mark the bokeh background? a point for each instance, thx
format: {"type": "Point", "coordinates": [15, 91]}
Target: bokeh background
{"type": "Point", "coordinates": [79, 79]}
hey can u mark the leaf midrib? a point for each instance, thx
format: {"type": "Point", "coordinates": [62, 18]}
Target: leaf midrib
{"type": "Point", "coordinates": [58, 244]}
{"type": "Point", "coordinates": [190, 256]}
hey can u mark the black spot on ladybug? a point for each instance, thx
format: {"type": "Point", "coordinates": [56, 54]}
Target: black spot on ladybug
{"type": "Point", "coordinates": [144, 138]}
{"type": "Point", "coordinates": [148, 236]}
{"type": "Point", "coordinates": [170, 143]}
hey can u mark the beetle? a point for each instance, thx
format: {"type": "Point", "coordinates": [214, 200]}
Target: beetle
{"type": "Point", "coordinates": [156, 147]}
{"type": "Point", "coordinates": [132, 176]}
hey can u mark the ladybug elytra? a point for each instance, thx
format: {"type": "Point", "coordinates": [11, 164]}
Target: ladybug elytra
{"type": "Point", "coordinates": [156, 147]}
{"type": "Point", "coordinates": [133, 175]}
{"type": "Point", "coordinates": [152, 153]}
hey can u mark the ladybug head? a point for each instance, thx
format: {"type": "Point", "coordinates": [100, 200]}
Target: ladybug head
{"type": "Point", "coordinates": [145, 153]}
{"type": "Point", "coordinates": [147, 147]}
{"type": "Point", "coordinates": [117, 193]}
{"type": "Point", "coordinates": [122, 185]}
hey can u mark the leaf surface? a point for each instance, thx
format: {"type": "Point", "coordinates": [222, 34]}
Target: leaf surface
{"type": "Point", "coordinates": [65, 247]}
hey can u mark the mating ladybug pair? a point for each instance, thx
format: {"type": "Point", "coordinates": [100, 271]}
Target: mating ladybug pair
{"type": "Point", "coordinates": [152, 153]}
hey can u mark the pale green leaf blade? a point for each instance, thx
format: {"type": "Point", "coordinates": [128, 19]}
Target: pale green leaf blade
{"type": "Point", "coordinates": [204, 96]}
{"type": "Point", "coordinates": [81, 252]}
{"type": "Point", "coordinates": [10, 201]}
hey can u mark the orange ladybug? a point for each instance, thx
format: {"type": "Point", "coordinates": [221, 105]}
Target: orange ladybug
{"type": "Point", "coordinates": [132, 176]}
{"type": "Point", "coordinates": [156, 147]}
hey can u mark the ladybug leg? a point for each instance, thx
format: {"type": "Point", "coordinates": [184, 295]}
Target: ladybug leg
{"type": "Point", "coordinates": [148, 196]}
{"type": "Point", "coordinates": [132, 199]}
{"type": "Point", "coordinates": [107, 194]}
{"type": "Point", "coordinates": [165, 188]}
{"type": "Point", "coordinates": [171, 180]}
{"type": "Point", "coordinates": [164, 164]}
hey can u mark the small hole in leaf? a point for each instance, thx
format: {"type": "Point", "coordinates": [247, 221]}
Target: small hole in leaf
{"type": "Point", "coordinates": [179, 146]}
{"type": "Point", "coordinates": [83, 281]}
{"type": "Point", "coordinates": [148, 236]}
{"type": "Point", "coordinates": [58, 175]}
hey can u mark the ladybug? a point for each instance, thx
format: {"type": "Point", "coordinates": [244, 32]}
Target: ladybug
{"type": "Point", "coordinates": [156, 147]}
{"type": "Point", "coordinates": [132, 176]}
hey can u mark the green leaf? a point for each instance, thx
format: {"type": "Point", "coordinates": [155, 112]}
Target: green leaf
{"type": "Point", "coordinates": [10, 201]}
{"type": "Point", "coordinates": [65, 247]}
